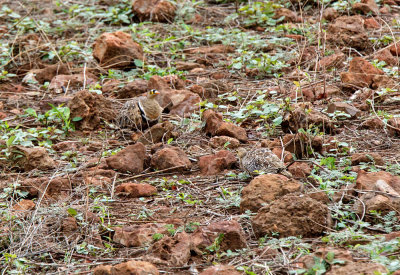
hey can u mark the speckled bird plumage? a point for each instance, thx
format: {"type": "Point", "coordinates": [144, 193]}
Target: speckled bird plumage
{"type": "Point", "coordinates": [261, 160]}
{"type": "Point", "coordinates": [141, 111]}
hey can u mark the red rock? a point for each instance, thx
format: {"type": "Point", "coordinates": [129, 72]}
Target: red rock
{"type": "Point", "coordinates": [368, 181]}
{"type": "Point", "coordinates": [102, 270]}
{"type": "Point", "coordinates": [220, 270]}
{"type": "Point", "coordinates": [219, 48]}
{"type": "Point", "coordinates": [157, 133]}
{"type": "Point", "coordinates": [73, 82]}
{"type": "Point", "coordinates": [54, 187]}
{"type": "Point", "coordinates": [348, 31]}
{"type": "Point", "coordinates": [22, 207]}
{"type": "Point", "coordinates": [187, 66]}
{"type": "Point", "coordinates": [181, 102]}
{"type": "Point", "coordinates": [224, 142]}
{"type": "Point", "coordinates": [330, 14]}
{"type": "Point", "coordinates": [69, 226]}
{"type": "Point", "coordinates": [138, 235]}
{"type": "Point", "coordinates": [174, 82]}
{"type": "Point", "coordinates": [233, 236]}
{"type": "Point", "coordinates": [99, 177]}
{"type": "Point", "coordinates": [47, 73]}
{"type": "Point", "coordinates": [3, 115]}
{"type": "Point", "coordinates": [172, 158]}
{"type": "Point", "coordinates": [366, 7]}
{"type": "Point", "coordinates": [136, 190]}
{"type": "Point", "coordinates": [332, 61]}
{"type": "Point", "coordinates": [352, 111]}
{"type": "Point", "coordinates": [154, 10]}
{"type": "Point", "coordinates": [374, 123]}
{"type": "Point", "coordinates": [386, 55]}
{"type": "Point", "coordinates": [288, 15]}
{"type": "Point", "coordinates": [116, 50]}
{"type": "Point", "coordinates": [287, 156]}
{"type": "Point", "coordinates": [216, 127]}
{"type": "Point", "coordinates": [130, 159]}
{"type": "Point", "coordinates": [394, 130]}
{"type": "Point", "coordinates": [395, 49]}
{"type": "Point", "coordinates": [296, 37]}
{"type": "Point", "coordinates": [389, 2]}
{"type": "Point", "coordinates": [215, 164]}
{"type": "Point", "coordinates": [300, 170]}
{"type": "Point", "coordinates": [127, 268]}
{"type": "Point", "coordinates": [91, 108]}
{"type": "Point", "coordinates": [264, 189]}
{"type": "Point", "coordinates": [371, 23]}
{"type": "Point", "coordinates": [357, 158]}
{"type": "Point", "coordinates": [31, 158]}
{"type": "Point", "coordinates": [132, 89]}
{"type": "Point", "coordinates": [361, 73]}
{"type": "Point", "coordinates": [292, 215]}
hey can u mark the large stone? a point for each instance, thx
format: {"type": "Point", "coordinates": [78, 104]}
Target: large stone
{"type": "Point", "coordinates": [116, 50]}
{"type": "Point", "coordinates": [170, 158]}
{"type": "Point", "coordinates": [352, 111]}
{"type": "Point", "coordinates": [47, 73]}
{"type": "Point", "coordinates": [395, 49]}
{"type": "Point", "coordinates": [127, 268]}
{"type": "Point", "coordinates": [224, 142]}
{"type": "Point", "coordinates": [220, 270]}
{"type": "Point", "coordinates": [357, 158]}
{"type": "Point", "coordinates": [368, 181]}
{"type": "Point", "coordinates": [31, 158]}
{"type": "Point", "coordinates": [71, 82]}
{"type": "Point", "coordinates": [386, 56]}
{"type": "Point", "coordinates": [130, 159]}
{"type": "Point", "coordinates": [157, 133]}
{"type": "Point", "coordinates": [215, 126]}
{"type": "Point", "coordinates": [361, 73]}
{"type": "Point", "coordinates": [332, 61]}
{"type": "Point", "coordinates": [138, 235]}
{"type": "Point", "coordinates": [217, 163]}
{"type": "Point", "coordinates": [348, 31]}
{"type": "Point", "coordinates": [154, 10]}
{"type": "Point", "coordinates": [292, 215]}
{"type": "Point", "coordinates": [136, 190]}
{"type": "Point", "coordinates": [366, 7]}
{"type": "Point", "coordinates": [53, 188]}
{"type": "Point", "coordinates": [264, 189]}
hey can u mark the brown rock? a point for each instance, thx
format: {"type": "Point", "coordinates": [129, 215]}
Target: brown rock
{"type": "Point", "coordinates": [365, 268]}
{"type": "Point", "coordinates": [187, 66]}
{"type": "Point", "coordinates": [224, 142]}
{"type": "Point", "coordinates": [264, 189]}
{"type": "Point", "coordinates": [54, 187]}
{"type": "Point", "coordinates": [31, 158]}
{"type": "Point", "coordinates": [220, 270]}
{"type": "Point", "coordinates": [361, 73]}
{"type": "Point", "coordinates": [374, 123]}
{"type": "Point", "coordinates": [332, 61]}
{"type": "Point", "coordinates": [212, 49]}
{"type": "Point", "coordinates": [211, 88]}
{"type": "Point", "coordinates": [23, 207]}
{"type": "Point", "coordinates": [130, 159]}
{"type": "Point", "coordinates": [132, 89]}
{"type": "Point", "coordinates": [348, 31]}
{"type": "Point", "coordinates": [292, 215]}
{"type": "Point", "coordinates": [216, 127]}
{"type": "Point", "coordinates": [47, 73]}
{"type": "Point", "coordinates": [330, 14]}
{"type": "Point", "coordinates": [116, 50]}
{"type": "Point", "coordinates": [71, 82]}
{"type": "Point", "coordinates": [170, 157]}
{"type": "Point", "coordinates": [352, 111]}
{"type": "Point", "coordinates": [366, 6]}
{"type": "Point", "coordinates": [392, 236]}
{"type": "Point", "coordinates": [300, 170]}
{"type": "Point", "coordinates": [69, 226]}
{"type": "Point", "coordinates": [233, 236]}
{"type": "Point", "coordinates": [136, 190]}
{"type": "Point", "coordinates": [395, 49]}
{"type": "Point", "coordinates": [138, 235]}
{"type": "Point", "coordinates": [157, 133]}
{"type": "Point", "coordinates": [357, 158]}
{"type": "Point", "coordinates": [102, 270]}
{"type": "Point", "coordinates": [174, 82]}
{"type": "Point", "coordinates": [287, 156]}
{"type": "Point", "coordinates": [371, 23]}
{"type": "Point", "coordinates": [154, 10]}
{"type": "Point", "coordinates": [91, 108]}
{"type": "Point", "coordinates": [286, 15]}
{"type": "Point", "coordinates": [127, 268]}
{"type": "Point", "coordinates": [215, 164]}
{"type": "Point", "coordinates": [56, 101]}
{"type": "Point", "coordinates": [180, 102]}
{"type": "Point", "coordinates": [386, 56]}
{"type": "Point", "coordinates": [368, 181]}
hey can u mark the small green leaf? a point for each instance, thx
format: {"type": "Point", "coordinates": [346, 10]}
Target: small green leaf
{"type": "Point", "coordinates": [170, 140]}
{"type": "Point", "coordinates": [72, 212]}
{"type": "Point", "coordinates": [77, 118]}
{"type": "Point", "coordinates": [10, 141]}
{"type": "Point", "coordinates": [138, 63]}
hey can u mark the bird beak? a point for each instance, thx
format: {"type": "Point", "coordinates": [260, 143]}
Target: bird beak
{"type": "Point", "coordinates": [156, 92]}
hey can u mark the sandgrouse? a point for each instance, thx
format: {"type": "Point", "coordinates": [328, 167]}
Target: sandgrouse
{"type": "Point", "coordinates": [140, 112]}
{"type": "Point", "coordinates": [261, 160]}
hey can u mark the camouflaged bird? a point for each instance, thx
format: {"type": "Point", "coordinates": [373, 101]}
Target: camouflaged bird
{"type": "Point", "coordinates": [261, 160]}
{"type": "Point", "coordinates": [140, 112]}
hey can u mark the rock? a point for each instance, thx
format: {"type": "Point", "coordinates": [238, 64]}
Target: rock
{"type": "Point", "coordinates": [211, 88]}
{"type": "Point", "coordinates": [233, 236]}
{"type": "Point", "coordinates": [130, 159]}
{"type": "Point", "coordinates": [264, 189]}
{"type": "Point", "coordinates": [357, 158]}
{"type": "Point", "coordinates": [348, 31]}
{"type": "Point", "coordinates": [299, 118]}
{"type": "Point", "coordinates": [99, 177]}
{"type": "Point", "coordinates": [170, 157]}
{"type": "Point", "coordinates": [373, 124]}
{"type": "Point", "coordinates": [31, 158]}
{"type": "Point", "coordinates": [286, 15]}
{"type": "Point", "coordinates": [23, 207]}
{"type": "Point", "coordinates": [386, 56]}
{"type": "Point", "coordinates": [132, 89]}
{"type": "Point", "coordinates": [69, 227]}
{"type": "Point", "coordinates": [215, 164]}
{"type": "Point", "coordinates": [56, 101]}
{"type": "Point", "coordinates": [315, 92]}
{"type": "Point", "coordinates": [360, 74]}
{"type": "Point", "coordinates": [292, 215]}
{"type": "Point", "coordinates": [224, 142]}
{"type": "Point", "coordinates": [138, 235]}
{"type": "Point", "coordinates": [127, 268]}
{"type": "Point", "coordinates": [395, 49]}
{"type": "Point", "coordinates": [330, 14]}
{"type": "Point", "coordinates": [187, 66]}
{"type": "Point", "coordinates": [365, 268]}
{"type": "Point", "coordinates": [366, 7]}
{"type": "Point", "coordinates": [55, 188]}
{"type": "Point", "coordinates": [219, 48]}
{"type": "Point", "coordinates": [180, 102]}
{"type": "Point", "coordinates": [136, 190]}
{"type": "Point", "coordinates": [287, 156]}
{"type": "Point", "coordinates": [332, 61]}
{"type": "Point", "coordinates": [352, 111]}
{"type": "Point", "coordinates": [300, 170]}
{"type": "Point", "coordinates": [71, 82]}
{"type": "Point", "coordinates": [66, 146]}
{"type": "Point", "coordinates": [157, 133]}
{"type": "Point", "coordinates": [171, 251]}
{"type": "Point", "coordinates": [117, 50]}
{"type": "Point", "coordinates": [368, 181]}
{"type": "Point", "coordinates": [154, 10]}
{"type": "Point", "coordinates": [216, 127]}
{"type": "Point", "coordinates": [47, 73]}
{"type": "Point", "coordinates": [371, 23]}
{"type": "Point", "coordinates": [220, 270]}
{"type": "Point", "coordinates": [375, 202]}
{"type": "Point", "coordinates": [91, 108]}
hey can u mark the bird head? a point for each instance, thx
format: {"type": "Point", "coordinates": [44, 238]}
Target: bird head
{"type": "Point", "coordinates": [152, 93]}
{"type": "Point", "coordinates": [241, 152]}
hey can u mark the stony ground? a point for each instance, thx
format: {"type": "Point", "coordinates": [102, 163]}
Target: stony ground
{"type": "Point", "coordinates": [317, 82]}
